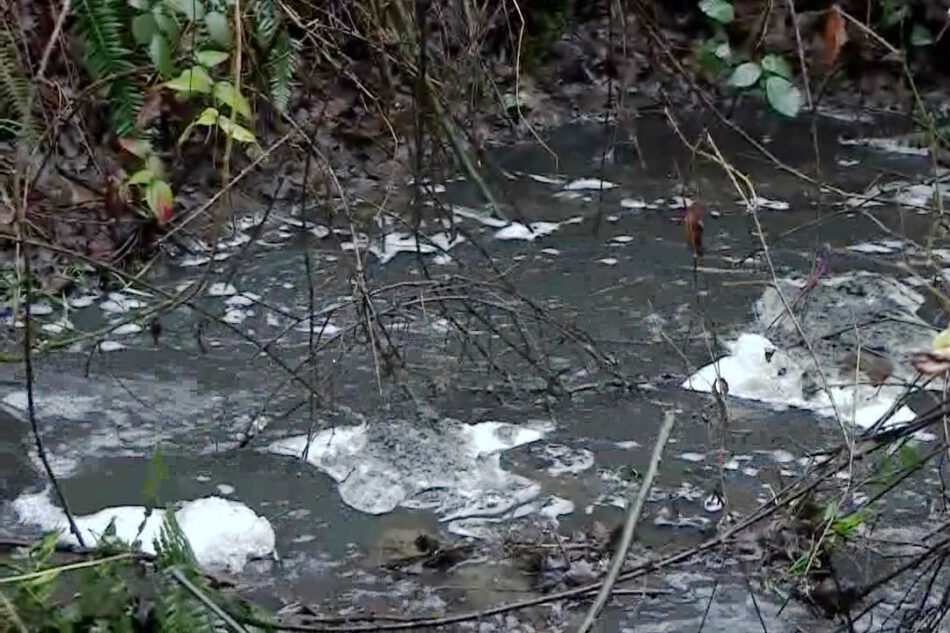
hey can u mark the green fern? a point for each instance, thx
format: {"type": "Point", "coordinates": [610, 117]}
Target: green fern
{"type": "Point", "coordinates": [178, 610]}
{"type": "Point", "coordinates": [280, 67]}
{"type": "Point", "coordinates": [14, 88]}
{"type": "Point", "coordinates": [102, 27]}
{"type": "Point", "coordinates": [266, 23]}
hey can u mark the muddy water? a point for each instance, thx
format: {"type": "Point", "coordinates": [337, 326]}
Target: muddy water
{"type": "Point", "coordinates": [621, 273]}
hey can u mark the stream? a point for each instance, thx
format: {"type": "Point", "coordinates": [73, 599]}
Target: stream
{"type": "Point", "coordinates": [447, 445]}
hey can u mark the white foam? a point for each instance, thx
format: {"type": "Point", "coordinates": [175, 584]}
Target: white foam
{"type": "Point", "coordinates": [395, 243]}
{"type": "Point", "coordinates": [636, 203]}
{"type": "Point", "coordinates": [127, 328]}
{"type": "Point", "coordinates": [883, 247]}
{"type": "Point", "coordinates": [221, 289]}
{"type": "Point", "coordinates": [222, 533]}
{"type": "Point", "coordinates": [893, 145]}
{"type": "Point", "coordinates": [119, 303]}
{"type": "Point", "coordinates": [547, 180]}
{"type": "Point", "coordinates": [608, 261]}
{"type": "Point", "coordinates": [756, 370]}
{"type": "Point", "coordinates": [765, 203]}
{"type": "Point", "coordinates": [451, 468]}
{"type": "Point", "coordinates": [110, 346]}
{"type": "Point", "coordinates": [584, 184]}
{"type": "Point", "coordinates": [528, 232]}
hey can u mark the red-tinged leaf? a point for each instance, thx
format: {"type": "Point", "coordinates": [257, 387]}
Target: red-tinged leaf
{"type": "Point", "coordinates": [158, 195]}
{"type": "Point", "coordinates": [693, 223]}
{"type": "Point", "coordinates": [932, 363]}
{"type": "Point", "coordinates": [833, 36]}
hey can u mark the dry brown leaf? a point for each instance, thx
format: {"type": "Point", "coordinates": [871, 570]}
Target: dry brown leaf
{"type": "Point", "coordinates": [833, 36]}
{"type": "Point", "coordinates": [693, 223]}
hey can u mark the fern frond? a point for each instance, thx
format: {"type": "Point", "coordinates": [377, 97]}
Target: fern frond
{"type": "Point", "coordinates": [266, 23]}
{"type": "Point", "coordinates": [103, 28]}
{"type": "Point", "coordinates": [178, 610]}
{"type": "Point", "coordinates": [14, 86]}
{"type": "Point", "coordinates": [279, 68]}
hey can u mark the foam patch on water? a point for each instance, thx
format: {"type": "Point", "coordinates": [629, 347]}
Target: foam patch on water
{"type": "Point", "coordinates": [768, 364]}
{"type": "Point", "coordinates": [85, 419]}
{"type": "Point", "coordinates": [588, 184]}
{"type": "Point", "coordinates": [394, 243]}
{"type": "Point", "coordinates": [756, 370]}
{"type": "Point", "coordinates": [223, 534]}
{"type": "Point", "coordinates": [452, 469]}
{"type": "Point", "coordinates": [893, 145]}
{"type": "Point", "coordinates": [919, 195]}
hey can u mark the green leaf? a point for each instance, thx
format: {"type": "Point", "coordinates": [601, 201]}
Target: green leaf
{"type": "Point", "coordinates": [219, 28]}
{"type": "Point", "coordinates": [235, 131]}
{"type": "Point", "coordinates": [783, 96]}
{"type": "Point", "coordinates": [846, 524]}
{"type": "Point", "coordinates": [723, 51]}
{"type": "Point", "coordinates": [908, 455]}
{"type": "Point", "coordinates": [920, 36]}
{"type": "Point", "coordinates": [192, 80]}
{"type": "Point", "coordinates": [191, 9]}
{"type": "Point", "coordinates": [745, 75]}
{"type": "Point", "coordinates": [154, 164]}
{"type": "Point", "coordinates": [161, 55]}
{"type": "Point", "coordinates": [942, 339]}
{"type": "Point", "coordinates": [167, 24]}
{"type": "Point", "coordinates": [228, 94]}
{"type": "Point", "coordinates": [144, 27]}
{"type": "Point", "coordinates": [775, 65]}
{"type": "Point", "coordinates": [719, 10]}
{"type": "Point", "coordinates": [141, 177]}
{"type": "Point", "coordinates": [159, 197]}
{"type": "Point", "coordinates": [208, 117]}
{"type": "Point", "coordinates": [210, 58]}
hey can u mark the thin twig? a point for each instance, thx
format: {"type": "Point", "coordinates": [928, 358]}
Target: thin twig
{"type": "Point", "coordinates": [205, 600]}
{"type": "Point", "coordinates": [633, 516]}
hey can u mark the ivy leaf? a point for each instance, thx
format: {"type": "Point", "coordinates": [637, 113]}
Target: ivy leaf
{"type": "Point", "coordinates": [144, 27]}
{"type": "Point", "coordinates": [723, 51]}
{"type": "Point", "coordinates": [235, 131]}
{"type": "Point", "coordinates": [159, 197]}
{"type": "Point", "coordinates": [210, 58]}
{"type": "Point", "coordinates": [219, 28]}
{"type": "Point", "coordinates": [226, 93]}
{"type": "Point", "coordinates": [165, 22]}
{"type": "Point", "coordinates": [745, 75]}
{"type": "Point", "coordinates": [191, 9]}
{"type": "Point", "coordinates": [719, 10]}
{"type": "Point", "coordinates": [920, 36]}
{"type": "Point", "coordinates": [160, 54]}
{"type": "Point", "coordinates": [192, 80]}
{"type": "Point", "coordinates": [775, 65]}
{"type": "Point", "coordinates": [141, 177]}
{"type": "Point", "coordinates": [784, 97]}
{"type": "Point", "coordinates": [154, 164]}
{"type": "Point", "coordinates": [209, 116]}
{"type": "Point", "coordinates": [942, 339]}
